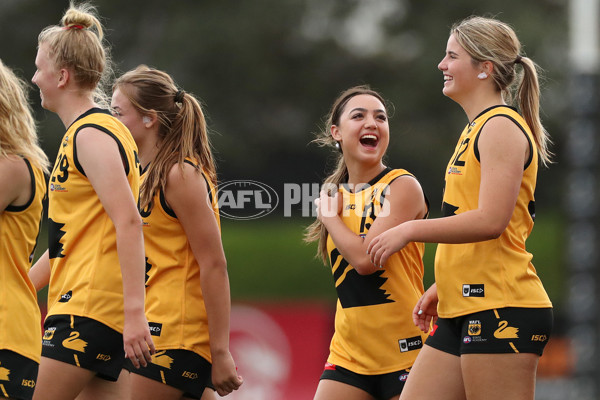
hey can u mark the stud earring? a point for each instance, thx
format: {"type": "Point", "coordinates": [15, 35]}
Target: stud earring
{"type": "Point", "coordinates": [337, 145]}
{"type": "Point", "coordinates": [482, 75]}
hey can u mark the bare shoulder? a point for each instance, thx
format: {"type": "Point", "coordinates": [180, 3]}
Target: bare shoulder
{"type": "Point", "coordinates": [183, 178]}
{"type": "Point", "coordinates": [15, 181]}
{"type": "Point", "coordinates": [94, 142]}
{"type": "Point", "coordinates": [502, 129]}
{"type": "Point", "coordinates": [406, 186]}
{"type": "Point", "coordinates": [89, 133]}
{"type": "Point", "coordinates": [179, 174]}
{"type": "Point", "coordinates": [406, 197]}
{"type": "Point", "coordinates": [13, 164]}
{"type": "Point", "coordinates": [503, 139]}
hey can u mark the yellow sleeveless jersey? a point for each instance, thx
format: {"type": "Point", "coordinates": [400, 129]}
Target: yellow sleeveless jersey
{"type": "Point", "coordinates": [174, 302]}
{"type": "Point", "coordinates": [374, 332]}
{"type": "Point", "coordinates": [495, 273]}
{"type": "Point", "coordinates": [85, 277]}
{"type": "Point", "coordinates": [19, 311]}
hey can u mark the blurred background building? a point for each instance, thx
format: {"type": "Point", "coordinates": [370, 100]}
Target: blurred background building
{"type": "Point", "coordinates": [267, 72]}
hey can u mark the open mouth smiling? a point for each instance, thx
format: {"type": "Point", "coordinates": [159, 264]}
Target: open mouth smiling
{"type": "Point", "coordinates": [369, 140]}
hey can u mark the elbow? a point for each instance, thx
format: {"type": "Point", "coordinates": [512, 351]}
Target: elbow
{"type": "Point", "coordinates": [134, 222]}
{"type": "Point", "coordinates": [215, 264]}
{"type": "Point", "coordinates": [365, 267]}
{"type": "Point", "coordinates": [491, 223]}
{"type": "Point", "coordinates": [126, 222]}
{"type": "Point", "coordinates": [495, 230]}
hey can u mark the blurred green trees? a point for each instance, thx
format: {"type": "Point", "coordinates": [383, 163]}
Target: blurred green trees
{"type": "Point", "coordinates": [268, 70]}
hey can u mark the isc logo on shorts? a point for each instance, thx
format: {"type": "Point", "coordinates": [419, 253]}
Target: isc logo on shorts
{"type": "Point", "coordinates": [409, 344]}
{"type": "Point", "coordinates": [28, 382]}
{"type": "Point", "coordinates": [103, 357]}
{"type": "Point", "coordinates": [471, 290]}
{"type": "Point", "coordinates": [190, 375]}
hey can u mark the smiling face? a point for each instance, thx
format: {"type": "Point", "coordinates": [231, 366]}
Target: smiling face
{"type": "Point", "coordinates": [46, 77]}
{"type": "Point", "coordinates": [460, 73]}
{"type": "Point", "coordinates": [363, 129]}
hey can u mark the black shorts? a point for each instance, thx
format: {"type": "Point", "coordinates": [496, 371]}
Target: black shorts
{"type": "Point", "coordinates": [84, 342]}
{"type": "Point", "coordinates": [381, 387]}
{"type": "Point", "coordinates": [18, 375]}
{"type": "Point", "coordinates": [497, 331]}
{"type": "Point", "coordinates": [181, 369]}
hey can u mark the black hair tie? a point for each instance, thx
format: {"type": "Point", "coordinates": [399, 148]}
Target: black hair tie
{"type": "Point", "coordinates": [179, 96]}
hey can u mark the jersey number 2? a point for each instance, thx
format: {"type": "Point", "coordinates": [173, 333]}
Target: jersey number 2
{"type": "Point", "coordinates": [461, 150]}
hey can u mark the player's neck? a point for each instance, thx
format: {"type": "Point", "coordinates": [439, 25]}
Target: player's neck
{"type": "Point", "coordinates": [73, 107]}
{"type": "Point", "coordinates": [361, 174]}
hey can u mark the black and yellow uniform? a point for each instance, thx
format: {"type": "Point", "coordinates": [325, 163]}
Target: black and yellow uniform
{"type": "Point", "coordinates": [19, 311]}
{"type": "Point", "coordinates": [18, 375]}
{"type": "Point", "coordinates": [374, 332]}
{"type": "Point", "coordinates": [496, 273]}
{"type": "Point", "coordinates": [174, 302]}
{"type": "Point", "coordinates": [383, 386]}
{"type": "Point", "coordinates": [85, 275]}
{"type": "Point", "coordinates": [497, 331]}
{"type": "Point", "coordinates": [85, 343]}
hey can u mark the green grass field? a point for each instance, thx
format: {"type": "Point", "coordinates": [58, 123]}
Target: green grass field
{"type": "Point", "coordinates": [268, 260]}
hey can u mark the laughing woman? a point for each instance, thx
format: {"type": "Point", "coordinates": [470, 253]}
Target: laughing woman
{"type": "Point", "coordinates": [375, 342]}
{"type": "Point", "coordinates": [494, 314]}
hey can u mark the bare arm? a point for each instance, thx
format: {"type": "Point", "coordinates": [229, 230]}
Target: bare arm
{"type": "Point", "coordinates": [40, 272]}
{"type": "Point", "coordinates": [405, 202]}
{"type": "Point", "coordinates": [100, 158]}
{"type": "Point", "coordinates": [503, 151]}
{"type": "Point", "coordinates": [187, 195]}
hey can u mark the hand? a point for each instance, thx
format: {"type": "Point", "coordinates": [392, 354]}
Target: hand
{"type": "Point", "coordinates": [425, 312]}
{"type": "Point", "coordinates": [137, 340]}
{"type": "Point", "coordinates": [387, 243]}
{"type": "Point", "coordinates": [224, 374]}
{"type": "Point", "coordinates": [328, 206]}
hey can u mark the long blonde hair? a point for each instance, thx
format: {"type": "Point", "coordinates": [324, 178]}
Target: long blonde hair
{"type": "Point", "coordinates": [17, 126]}
{"type": "Point", "coordinates": [487, 39]}
{"type": "Point", "coordinates": [183, 132]}
{"type": "Point", "coordinates": [317, 231]}
{"type": "Point", "coordinates": [78, 45]}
